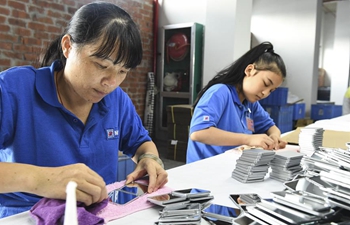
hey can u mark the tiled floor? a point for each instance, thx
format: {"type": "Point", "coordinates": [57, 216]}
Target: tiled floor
{"type": "Point", "coordinates": [162, 148]}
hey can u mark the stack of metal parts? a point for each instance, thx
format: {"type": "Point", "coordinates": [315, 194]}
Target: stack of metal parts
{"type": "Point", "coordinates": [321, 195]}
{"type": "Point", "coordinates": [182, 206]}
{"type": "Point", "coordinates": [250, 199]}
{"type": "Point", "coordinates": [310, 139]}
{"type": "Point", "coordinates": [193, 214]}
{"type": "Point", "coordinates": [303, 202]}
{"type": "Point", "coordinates": [330, 171]}
{"type": "Point", "coordinates": [190, 206]}
{"type": "Point", "coordinates": [286, 165]}
{"type": "Point", "coordinates": [189, 214]}
{"type": "Point", "coordinates": [287, 207]}
{"type": "Point", "coordinates": [252, 165]}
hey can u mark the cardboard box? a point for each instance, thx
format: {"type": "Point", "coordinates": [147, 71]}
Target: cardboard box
{"type": "Point", "coordinates": [331, 138]}
{"type": "Point", "coordinates": [177, 150]}
{"type": "Point", "coordinates": [303, 122]}
{"type": "Point", "coordinates": [178, 132]}
{"type": "Point", "coordinates": [179, 114]}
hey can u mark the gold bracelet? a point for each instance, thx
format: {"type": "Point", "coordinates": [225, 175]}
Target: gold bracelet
{"type": "Point", "coordinates": [151, 156]}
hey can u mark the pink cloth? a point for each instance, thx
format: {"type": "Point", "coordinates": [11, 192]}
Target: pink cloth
{"type": "Point", "coordinates": [51, 211]}
{"type": "Point", "coordinates": [114, 211]}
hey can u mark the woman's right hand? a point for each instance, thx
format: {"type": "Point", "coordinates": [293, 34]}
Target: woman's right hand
{"type": "Point", "coordinates": [51, 182]}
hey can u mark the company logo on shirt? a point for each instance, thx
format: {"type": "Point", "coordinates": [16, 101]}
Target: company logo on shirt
{"type": "Point", "coordinates": [205, 118]}
{"type": "Point", "coordinates": [112, 133]}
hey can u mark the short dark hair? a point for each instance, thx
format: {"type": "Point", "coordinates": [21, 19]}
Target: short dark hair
{"type": "Point", "coordinates": [105, 21]}
{"type": "Point", "coordinates": [264, 58]}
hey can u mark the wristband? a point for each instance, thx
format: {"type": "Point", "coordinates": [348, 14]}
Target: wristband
{"type": "Point", "coordinates": [151, 156]}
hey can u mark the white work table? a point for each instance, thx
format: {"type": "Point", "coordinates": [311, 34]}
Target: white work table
{"type": "Point", "coordinates": [213, 174]}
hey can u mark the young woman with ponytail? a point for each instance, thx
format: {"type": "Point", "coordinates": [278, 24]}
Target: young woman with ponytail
{"type": "Point", "coordinates": [227, 113]}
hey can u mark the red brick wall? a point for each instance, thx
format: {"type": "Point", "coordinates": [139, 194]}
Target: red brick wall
{"type": "Point", "coordinates": [27, 26]}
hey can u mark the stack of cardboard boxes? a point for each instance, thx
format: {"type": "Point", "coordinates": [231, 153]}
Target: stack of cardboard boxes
{"type": "Point", "coordinates": [178, 124]}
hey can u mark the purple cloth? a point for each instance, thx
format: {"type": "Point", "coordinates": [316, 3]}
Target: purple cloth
{"type": "Point", "coordinates": [51, 211]}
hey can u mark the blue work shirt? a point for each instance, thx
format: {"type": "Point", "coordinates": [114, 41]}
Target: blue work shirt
{"type": "Point", "coordinates": [220, 107]}
{"type": "Point", "coordinates": [36, 129]}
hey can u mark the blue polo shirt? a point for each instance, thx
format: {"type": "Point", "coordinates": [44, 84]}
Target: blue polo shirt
{"type": "Point", "coordinates": [36, 129]}
{"type": "Point", "coordinates": [220, 107]}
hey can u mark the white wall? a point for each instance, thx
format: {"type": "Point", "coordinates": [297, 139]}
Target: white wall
{"type": "Point", "coordinates": [293, 28]}
{"type": "Point", "coordinates": [181, 11]}
{"type": "Point", "coordinates": [227, 34]}
{"type": "Point", "coordinates": [226, 26]}
{"type": "Point", "coordinates": [326, 45]}
{"type": "Point", "coordinates": [341, 57]}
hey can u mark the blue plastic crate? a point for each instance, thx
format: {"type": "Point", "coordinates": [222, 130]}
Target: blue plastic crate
{"type": "Point", "coordinates": [299, 111]}
{"type": "Point", "coordinates": [325, 111]}
{"type": "Point", "coordinates": [281, 115]}
{"type": "Point", "coordinates": [285, 127]}
{"type": "Point", "coordinates": [277, 97]}
{"type": "Point", "coordinates": [125, 167]}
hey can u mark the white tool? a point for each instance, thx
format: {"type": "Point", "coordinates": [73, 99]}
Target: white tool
{"type": "Point", "coordinates": [70, 214]}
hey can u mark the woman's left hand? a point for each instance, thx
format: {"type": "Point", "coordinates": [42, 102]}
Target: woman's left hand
{"type": "Point", "coordinates": [158, 177]}
{"type": "Point", "coordinates": [149, 163]}
{"type": "Point", "coordinates": [279, 143]}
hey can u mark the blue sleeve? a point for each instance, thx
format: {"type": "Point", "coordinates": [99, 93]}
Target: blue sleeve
{"type": "Point", "coordinates": [210, 108]}
{"type": "Point", "coordinates": [262, 120]}
{"type": "Point", "coordinates": [133, 133]}
{"type": "Point", "coordinates": [6, 117]}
